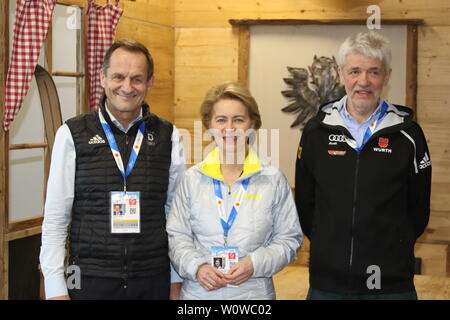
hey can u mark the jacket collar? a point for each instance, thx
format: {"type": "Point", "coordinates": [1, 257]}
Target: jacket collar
{"type": "Point", "coordinates": [211, 165]}
{"type": "Point", "coordinates": [396, 115]}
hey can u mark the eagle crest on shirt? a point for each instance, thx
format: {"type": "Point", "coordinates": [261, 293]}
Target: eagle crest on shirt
{"type": "Point", "coordinates": [306, 97]}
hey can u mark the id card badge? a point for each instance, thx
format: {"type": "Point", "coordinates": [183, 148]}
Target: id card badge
{"type": "Point", "coordinates": [125, 212]}
{"type": "Point", "coordinates": [223, 258]}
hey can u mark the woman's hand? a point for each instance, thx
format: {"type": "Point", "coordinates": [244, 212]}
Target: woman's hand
{"type": "Point", "coordinates": [240, 272]}
{"type": "Point", "coordinates": [210, 278]}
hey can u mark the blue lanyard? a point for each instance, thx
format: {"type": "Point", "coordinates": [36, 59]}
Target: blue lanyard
{"type": "Point", "coordinates": [370, 130]}
{"type": "Point", "coordinates": [226, 224]}
{"type": "Point", "coordinates": [115, 149]}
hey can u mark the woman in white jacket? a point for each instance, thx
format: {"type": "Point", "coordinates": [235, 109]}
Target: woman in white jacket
{"type": "Point", "coordinates": [233, 222]}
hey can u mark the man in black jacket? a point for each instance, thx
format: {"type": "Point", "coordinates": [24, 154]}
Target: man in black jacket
{"type": "Point", "coordinates": [119, 156]}
{"type": "Point", "coordinates": [363, 179]}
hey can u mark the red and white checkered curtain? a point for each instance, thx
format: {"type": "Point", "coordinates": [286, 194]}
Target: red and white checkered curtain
{"type": "Point", "coordinates": [102, 22]}
{"type": "Point", "coordinates": [31, 24]}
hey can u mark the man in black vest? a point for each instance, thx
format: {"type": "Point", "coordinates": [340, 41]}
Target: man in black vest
{"type": "Point", "coordinates": [120, 155]}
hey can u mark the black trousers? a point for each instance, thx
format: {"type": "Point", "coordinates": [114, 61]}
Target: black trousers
{"type": "Point", "coordinates": [98, 288]}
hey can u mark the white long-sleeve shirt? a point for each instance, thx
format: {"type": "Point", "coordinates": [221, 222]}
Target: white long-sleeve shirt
{"type": "Point", "coordinates": [59, 201]}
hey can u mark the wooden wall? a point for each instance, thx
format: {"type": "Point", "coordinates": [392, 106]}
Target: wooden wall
{"type": "Point", "coordinates": [150, 22]}
{"type": "Point", "coordinates": [206, 52]}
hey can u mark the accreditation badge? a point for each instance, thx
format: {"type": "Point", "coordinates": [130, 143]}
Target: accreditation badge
{"type": "Point", "coordinates": [125, 212]}
{"type": "Point", "coordinates": [223, 258]}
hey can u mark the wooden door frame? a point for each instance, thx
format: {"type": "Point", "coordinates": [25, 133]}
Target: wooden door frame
{"type": "Point", "coordinates": [242, 27]}
{"type": "Point", "coordinates": [4, 143]}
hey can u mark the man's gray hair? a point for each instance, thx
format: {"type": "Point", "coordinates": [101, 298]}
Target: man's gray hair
{"type": "Point", "coordinates": [370, 44]}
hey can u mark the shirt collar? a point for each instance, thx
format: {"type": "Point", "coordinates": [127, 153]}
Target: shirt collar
{"type": "Point", "coordinates": [347, 116]}
{"type": "Point", "coordinates": [117, 123]}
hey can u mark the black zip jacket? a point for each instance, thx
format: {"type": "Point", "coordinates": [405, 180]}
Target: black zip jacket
{"type": "Point", "coordinates": [363, 211]}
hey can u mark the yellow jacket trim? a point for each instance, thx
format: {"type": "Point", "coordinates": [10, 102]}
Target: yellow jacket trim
{"type": "Point", "coordinates": [211, 165]}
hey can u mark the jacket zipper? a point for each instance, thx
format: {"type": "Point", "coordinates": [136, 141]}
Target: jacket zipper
{"type": "Point", "coordinates": [355, 189]}
{"type": "Point", "coordinates": [125, 271]}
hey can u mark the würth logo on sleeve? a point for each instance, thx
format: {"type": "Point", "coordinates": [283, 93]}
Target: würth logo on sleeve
{"type": "Point", "coordinates": [383, 144]}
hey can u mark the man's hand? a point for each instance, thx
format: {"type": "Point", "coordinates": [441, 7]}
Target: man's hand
{"type": "Point", "coordinates": [240, 272]}
{"type": "Point", "coordinates": [175, 288]}
{"type": "Point", "coordinates": [210, 278]}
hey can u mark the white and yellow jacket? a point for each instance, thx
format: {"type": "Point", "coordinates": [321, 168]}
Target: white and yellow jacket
{"type": "Point", "coordinates": [266, 228]}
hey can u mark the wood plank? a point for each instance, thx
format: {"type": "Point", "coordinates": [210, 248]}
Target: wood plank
{"type": "Point", "coordinates": [23, 233]}
{"type": "Point", "coordinates": [411, 70]}
{"type": "Point", "coordinates": [27, 146]}
{"type": "Point", "coordinates": [448, 261]}
{"type": "Point", "coordinates": [434, 258]}
{"type": "Point", "coordinates": [23, 224]}
{"type": "Point", "coordinates": [438, 229]}
{"type": "Point", "coordinates": [217, 13]}
{"type": "Point", "coordinates": [4, 142]}
{"type": "Point", "coordinates": [154, 11]}
{"type": "Point", "coordinates": [203, 58]}
{"type": "Point", "coordinates": [301, 22]}
{"type": "Point", "coordinates": [243, 54]}
{"type": "Point", "coordinates": [160, 42]}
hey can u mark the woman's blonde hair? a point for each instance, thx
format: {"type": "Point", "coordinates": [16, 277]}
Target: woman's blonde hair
{"type": "Point", "coordinates": [229, 90]}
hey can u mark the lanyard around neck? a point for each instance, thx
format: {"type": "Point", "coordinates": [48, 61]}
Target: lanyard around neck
{"type": "Point", "coordinates": [227, 223]}
{"type": "Point", "coordinates": [371, 128]}
{"type": "Point", "coordinates": [115, 149]}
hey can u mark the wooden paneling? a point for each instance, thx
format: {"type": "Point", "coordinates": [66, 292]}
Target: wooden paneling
{"type": "Point", "coordinates": [205, 49]}
{"type": "Point", "coordinates": [434, 258]}
{"type": "Point", "coordinates": [206, 13]}
{"type": "Point", "coordinates": [150, 22]}
{"type": "Point", "coordinates": [203, 58]}
{"type": "Point", "coordinates": [433, 99]}
{"type": "Point", "coordinates": [154, 11]}
{"type": "Point", "coordinates": [160, 41]}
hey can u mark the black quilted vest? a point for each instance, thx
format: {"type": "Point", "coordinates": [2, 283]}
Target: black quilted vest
{"type": "Point", "coordinates": [93, 247]}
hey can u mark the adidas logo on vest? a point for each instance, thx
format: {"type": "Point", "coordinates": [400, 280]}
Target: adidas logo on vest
{"type": "Point", "coordinates": [96, 140]}
{"type": "Point", "coordinates": [425, 162]}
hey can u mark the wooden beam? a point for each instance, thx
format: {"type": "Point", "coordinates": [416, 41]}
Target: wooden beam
{"type": "Point", "coordinates": [411, 67]}
{"type": "Point", "coordinates": [4, 16]}
{"type": "Point", "coordinates": [84, 39]}
{"type": "Point", "coordinates": [23, 233]}
{"type": "Point", "coordinates": [27, 146]}
{"type": "Point", "coordinates": [68, 74]}
{"type": "Point", "coordinates": [23, 224]}
{"type": "Point", "coordinates": [448, 261]}
{"type": "Point", "coordinates": [284, 22]}
{"type": "Point", "coordinates": [243, 54]}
